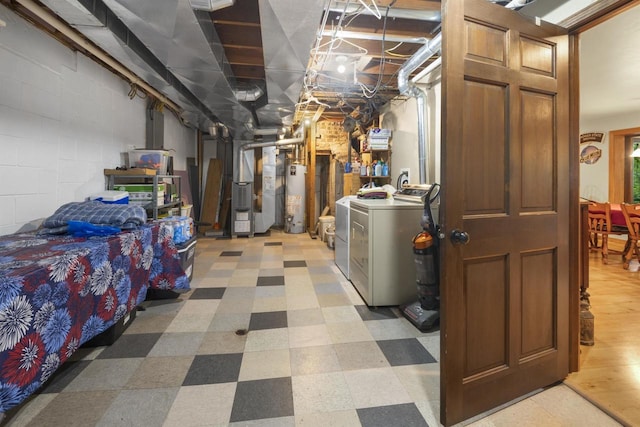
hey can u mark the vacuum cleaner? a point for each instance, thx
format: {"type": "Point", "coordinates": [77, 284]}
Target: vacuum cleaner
{"type": "Point", "coordinates": [424, 314]}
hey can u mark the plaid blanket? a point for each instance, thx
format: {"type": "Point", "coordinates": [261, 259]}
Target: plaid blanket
{"type": "Point", "coordinates": [126, 217]}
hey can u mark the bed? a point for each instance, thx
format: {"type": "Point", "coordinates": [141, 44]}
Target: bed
{"type": "Point", "coordinates": [58, 292]}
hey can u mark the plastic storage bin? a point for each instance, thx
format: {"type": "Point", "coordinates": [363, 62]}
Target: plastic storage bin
{"type": "Point", "coordinates": [150, 159]}
{"type": "Point", "coordinates": [187, 251]}
{"type": "Point", "coordinates": [330, 234]}
{"type": "Point", "coordinates": [112, 197]}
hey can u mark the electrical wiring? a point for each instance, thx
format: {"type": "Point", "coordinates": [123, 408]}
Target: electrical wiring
{"type": "Point", "coordinates": [133, 91]}
{"type": "Point", "coordinates": [314, 60]}
{"type": "Point", "coordinates": [361, 49]}
{"type": "Point", "coordinates": [396, 55]}
{"type": "Point", "coordinates": [375, 13]}
{"type": "Point", "coordinates": [369, 93]}
{"type": "Point", "coordinates": [394, 48]}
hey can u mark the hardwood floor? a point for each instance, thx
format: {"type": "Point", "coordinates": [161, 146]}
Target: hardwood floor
{"type": "Point", "coordinates": [610, 369]}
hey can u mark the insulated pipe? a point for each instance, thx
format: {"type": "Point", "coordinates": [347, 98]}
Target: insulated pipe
{"type": "Point", "coordinates": [423, 146]}
{"type": "Point", "coordinates": [278, 143]}
{"type": "Point", "coordinates": [63, 28]}
{"type": "Point", "coordinates": [266, 131]}
{"type": "Point", "coordinates": [427, 70]}
{"type": "Point", "coordinates": [409, 88]}
{"type": "Point", "coordinates": [299, 139]}
{"type": "Point", "coordinates": [251, 145]}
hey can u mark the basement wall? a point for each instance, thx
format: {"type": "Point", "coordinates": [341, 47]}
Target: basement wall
{"type": "Point", "coordinates": [63, 119]}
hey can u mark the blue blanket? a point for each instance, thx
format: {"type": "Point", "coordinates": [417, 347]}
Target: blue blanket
{"type": "Point", "coordinates": [126, 217]}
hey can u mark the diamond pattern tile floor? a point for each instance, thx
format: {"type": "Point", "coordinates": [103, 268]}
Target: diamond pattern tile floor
{"type": "Point", "coordinates": [271, 334]}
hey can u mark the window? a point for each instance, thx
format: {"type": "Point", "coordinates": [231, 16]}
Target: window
{"type": "Point", "coordinates": [636, 172]}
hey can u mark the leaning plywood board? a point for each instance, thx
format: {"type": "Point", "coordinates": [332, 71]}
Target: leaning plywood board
{"type": "Point", "coordinates": [226, 202]}
{"type": "Point", "coordinates": [212, 189]}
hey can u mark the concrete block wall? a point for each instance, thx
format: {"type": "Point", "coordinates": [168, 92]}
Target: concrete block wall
{"type": "Point", "coordinates": [63, 119]}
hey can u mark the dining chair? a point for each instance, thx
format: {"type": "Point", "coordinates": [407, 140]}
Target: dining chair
{"type": "Point", "coordinates": [601, 227]}
{"type": "Point", "coordinates": [631, 212]}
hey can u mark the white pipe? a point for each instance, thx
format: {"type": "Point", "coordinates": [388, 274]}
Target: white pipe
{"type": "Point", "coordinates": [409, 88]}
{"type": "Point", "coordinates": [63, 28]}
{"type": "Point", "coordinates": [372, 36]}
{"type": "Point", "coordinates": [428, 69]}
{"type": "Point", "coordinates": [251, 145]}
{"type": "Point", "coordinates": [278, 143]}
{"type": "Point", "coordinates": [266, 131]}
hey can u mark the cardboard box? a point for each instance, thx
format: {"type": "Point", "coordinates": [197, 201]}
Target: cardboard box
{"type": "Point", "coordinates": [139, 188]}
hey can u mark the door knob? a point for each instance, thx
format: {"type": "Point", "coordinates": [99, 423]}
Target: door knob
{"type": "Point", "coordinates": [460, 237]}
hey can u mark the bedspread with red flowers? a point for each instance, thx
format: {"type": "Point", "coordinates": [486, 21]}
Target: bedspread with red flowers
{"type": "Point", "coordinates": [58, 292]}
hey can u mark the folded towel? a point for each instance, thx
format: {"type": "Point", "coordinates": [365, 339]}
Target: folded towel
{"type": "Point", "coordinates": [372, 193]}
{"type": "Point", "coordinates": [94, 212]}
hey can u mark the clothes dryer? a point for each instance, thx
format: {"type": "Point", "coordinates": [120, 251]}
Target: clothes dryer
{"type": "Point", "coordinates": [342, 234]}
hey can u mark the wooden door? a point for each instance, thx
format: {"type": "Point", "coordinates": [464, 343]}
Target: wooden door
{"type": "Point", "coordinates": [505, 187]}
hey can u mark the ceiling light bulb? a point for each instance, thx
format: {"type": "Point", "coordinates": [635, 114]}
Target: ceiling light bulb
{"type": "Point", "coordinates": [341, 68]}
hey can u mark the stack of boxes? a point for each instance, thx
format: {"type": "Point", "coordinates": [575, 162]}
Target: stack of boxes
{"type": "Point", "coordinates": [378, 139]}
{"type": "Point", "coordinates": [142, 194]}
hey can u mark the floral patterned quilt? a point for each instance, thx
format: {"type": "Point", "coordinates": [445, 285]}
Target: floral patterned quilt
{"type": "Point", "coordinates": [58, 292]}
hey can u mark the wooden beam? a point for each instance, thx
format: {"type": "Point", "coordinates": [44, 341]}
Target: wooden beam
{"type": "Point", "coordinates": [317, 114]}
{"type": "Point", "coordinates": [617, 162]}
{"type": "Point", "coordinates": [311, 178]}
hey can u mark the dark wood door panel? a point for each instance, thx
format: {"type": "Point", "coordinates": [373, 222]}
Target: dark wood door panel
{"type": "Point", "coordinates": [537, 56]}
{"type": "Point", "coordinates": [538, 294]}
{"type": "Point", "coordinates": [485, 153]}
{"type": "Point", "coordinates": [486, 314]}
{"type": "Point", "coordinates": [486, 43]}
{"type": "Point", "coordinates": [538, 147]}
{"type": "Point", "coordinates": [505, 124]}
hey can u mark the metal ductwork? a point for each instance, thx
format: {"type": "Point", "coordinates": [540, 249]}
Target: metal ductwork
{"type": "Point", "coordinates": [211, 5]}
{"type": "Point", "coordinates": [288, 31]}
{"type": "Point", "coordinates": [353, 7]}
{"type": "Point", "coordinates": [248, 95]}
{"type": "Point", "coordinates": [407, 87]}
{"type": "Point", "coordinates": [150, 40]}
{"type": "Point", "coordinates": [176, 50]}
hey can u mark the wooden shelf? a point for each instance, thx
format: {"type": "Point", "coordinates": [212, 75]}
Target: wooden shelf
{"type": "Point", "coordinates": [130, 172]}
{"type": "Point", "coordinates": [372, 155]}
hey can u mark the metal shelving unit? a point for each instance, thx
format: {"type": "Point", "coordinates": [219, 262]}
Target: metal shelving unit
{"type": "Point", "coordinates": [115, 177]}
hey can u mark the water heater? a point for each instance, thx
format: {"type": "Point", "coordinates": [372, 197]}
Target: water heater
{"type": "Point", "coordinates": [295, 201]}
